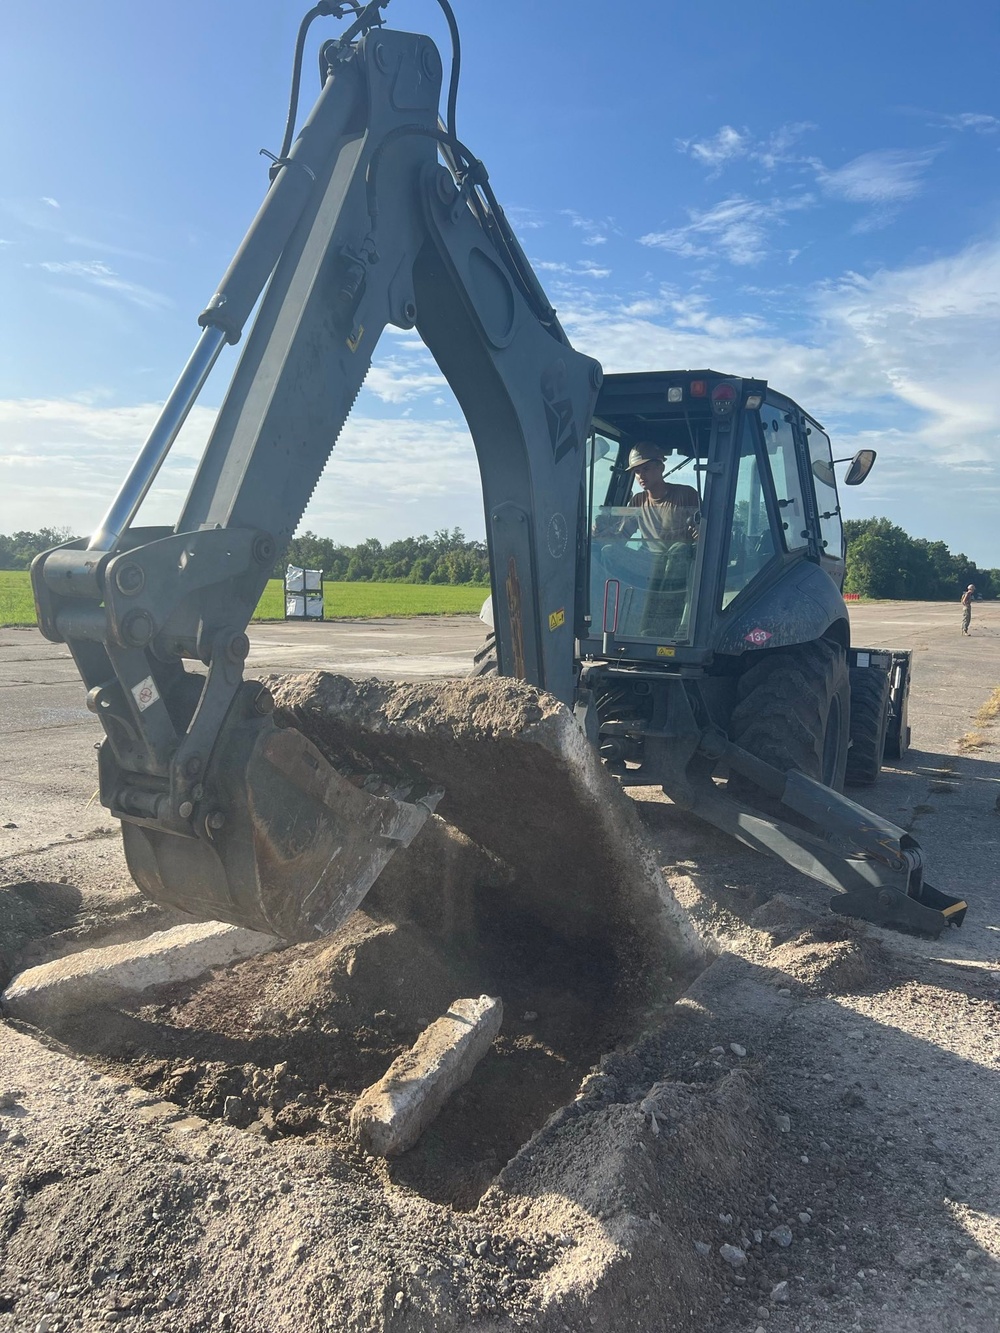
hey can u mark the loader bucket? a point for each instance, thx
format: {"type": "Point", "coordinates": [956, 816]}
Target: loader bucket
{"type": "Point", "coordinates": [299, 844]}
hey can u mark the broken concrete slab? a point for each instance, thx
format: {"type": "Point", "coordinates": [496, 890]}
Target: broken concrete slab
{"type": "Point", "coordinates": [521, 781]}
{"type": "Point", "coordinates": [68, 985]}
{"type": "Point", "coordinates": [390, 1116]}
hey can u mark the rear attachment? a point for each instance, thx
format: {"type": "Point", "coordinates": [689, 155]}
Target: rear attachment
{"type": "Point", "coordinates": [875, 867]}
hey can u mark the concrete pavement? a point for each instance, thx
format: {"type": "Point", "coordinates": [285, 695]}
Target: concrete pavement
{"type": "Point", "coordinates": [49, 775]}
{"type": "Point", "coordinates": [48, 778]}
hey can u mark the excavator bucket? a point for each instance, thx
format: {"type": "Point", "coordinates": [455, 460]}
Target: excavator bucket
{"type": "Point", "coordinates": [294, 845]}
{"type": "Point", "coordinates": [316, 806]}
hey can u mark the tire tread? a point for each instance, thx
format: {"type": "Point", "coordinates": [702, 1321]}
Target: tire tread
{"type": "Point", "coordinates": [869, 722]}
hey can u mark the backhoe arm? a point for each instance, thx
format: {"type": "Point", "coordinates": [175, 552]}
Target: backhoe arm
{"type": "Point", "coordinates": [224, 814]}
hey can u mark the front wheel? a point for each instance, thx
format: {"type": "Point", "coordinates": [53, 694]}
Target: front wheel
{"type": "Point", "coordinates": [793, 711]}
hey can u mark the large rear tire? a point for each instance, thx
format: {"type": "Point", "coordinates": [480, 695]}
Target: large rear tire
{"type": "Point", "coordinates": [793, 711]}
{"type": "Point", "coordinates": [869, 723]}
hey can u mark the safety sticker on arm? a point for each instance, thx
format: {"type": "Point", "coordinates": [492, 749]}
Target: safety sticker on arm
{"type": "Point", "coordinates": [145, 693]}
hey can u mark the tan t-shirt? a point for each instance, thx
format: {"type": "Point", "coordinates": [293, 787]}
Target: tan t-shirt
{"type": "Point", "coordinates": [669, 519]}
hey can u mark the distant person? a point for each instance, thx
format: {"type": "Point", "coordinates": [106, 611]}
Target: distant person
{"type": "Point", "coordinates": [967, 597]}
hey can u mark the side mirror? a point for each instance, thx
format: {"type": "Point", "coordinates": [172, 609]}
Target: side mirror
{"type": "Point", "coordinates": [823, 471]}
{"type": "Point", "coordinates": [861, 464]}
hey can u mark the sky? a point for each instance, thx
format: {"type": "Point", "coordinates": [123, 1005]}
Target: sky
{"type": "Point", "coordinates": [800, 192]}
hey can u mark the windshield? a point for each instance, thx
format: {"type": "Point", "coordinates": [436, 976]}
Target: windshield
{"type": "Point", "coordinates": [644, 524]}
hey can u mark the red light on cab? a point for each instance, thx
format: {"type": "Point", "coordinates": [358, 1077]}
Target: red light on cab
{"type": "Point", "coordinates": [699, 389]}
{"type": "Point", "coordinates": [723, 400]}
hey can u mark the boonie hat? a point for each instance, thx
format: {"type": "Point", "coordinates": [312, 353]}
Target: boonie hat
{"type": "Point", "coordinates": [644, 453]}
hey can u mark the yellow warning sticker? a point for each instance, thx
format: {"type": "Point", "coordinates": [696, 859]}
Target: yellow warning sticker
{"type": "Point", "coordinates": [557, 618]}
{"type": "Point", "coordinates": [666, 652]}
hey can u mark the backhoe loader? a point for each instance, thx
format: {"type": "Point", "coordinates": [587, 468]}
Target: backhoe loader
{"type": "Point", "coordinates": [716, 667]}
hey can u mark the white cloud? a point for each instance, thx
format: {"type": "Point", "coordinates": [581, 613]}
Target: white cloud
{"type": "Point", "coordinates": [969, 120]}
{"type": "Point", "coordinates": [736, 229]}
{"type": "Point", "coordinates": [62, 462]}
{"type": "Point", "coordinates": [96, 273]}
{"type": "Point", "coordinates": [931, 331]}
{"type": "Point", "coordinates": [595, 230]}
{"type": "Point", "coordinates": [775, 150]}
{"type": "Point", "coordinates": [525, 219]}
{"type": "Point", "coordinates": [693, 312]}
{"type": "Point", "coordinates": [729, 145]}
{"type": "Point", "coordinates": [723, 147]}
{"type": "Point", "coordinates": [397, 381]}
{"type": "Point", "coordinates": [886, 177]}
{"type": "Point", "coordinates": [882, 180]}
{"type": "Point", "coordinates": [583, 268]}
{"type": "Point", "coordinates": [52, 203]}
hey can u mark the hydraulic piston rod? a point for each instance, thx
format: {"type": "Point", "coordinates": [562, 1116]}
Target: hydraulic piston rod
{"type": "Point", "coordinates": [175, 410]}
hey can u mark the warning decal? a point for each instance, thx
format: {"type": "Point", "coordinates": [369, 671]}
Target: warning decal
{"type": "Point", "coordinates": [145, 693]}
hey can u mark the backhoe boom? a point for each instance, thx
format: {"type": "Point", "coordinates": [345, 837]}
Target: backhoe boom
{"type": "Point", "coordinates": [223, 814]}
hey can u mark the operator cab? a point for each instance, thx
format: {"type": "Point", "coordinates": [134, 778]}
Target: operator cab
{"type": "Point", "coordinates": [644, 524]}
{"type": "Point", "coordinates": [747, 489]}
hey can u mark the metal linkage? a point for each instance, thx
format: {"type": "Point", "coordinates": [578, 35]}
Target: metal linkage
{"type": "Point", "coordinates": [875, 866]}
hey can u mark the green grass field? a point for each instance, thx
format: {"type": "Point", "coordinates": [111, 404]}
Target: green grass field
{"type": "Point", "coordinates": [341, 601]}
{"type": "Point", "coordinates": [372, 601]}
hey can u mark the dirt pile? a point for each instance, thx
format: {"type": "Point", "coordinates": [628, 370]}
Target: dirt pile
{"type": "Point", "coordinates": [834, 957]}
{"type": "Point", "coordinates": [283, 1043]}
{"type": "Point", "coordinates": [596, 1221]}
{"type": "Point", "coordinates": [523, 783]}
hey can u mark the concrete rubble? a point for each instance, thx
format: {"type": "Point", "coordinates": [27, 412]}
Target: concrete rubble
{"type": "Point", "coordinates": [75, 983]}
{"type": "Point", "coordinates": [389, 1117]}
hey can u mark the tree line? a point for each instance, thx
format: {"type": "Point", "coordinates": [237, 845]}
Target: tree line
{"type": "Point", "coordinates": [885, 561]}
{"type": "Point", "coordinates": [882, 561]}
{"type": "Point", "coordinates": [445, 557]}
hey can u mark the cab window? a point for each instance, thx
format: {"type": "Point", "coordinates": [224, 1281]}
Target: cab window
{"type": "Point", "coordinates": [779, 443]}
{"type": "Point", "coordinates": [751, 540]}
{"type": "Point", "coordinates": [641, 559]}
{"type": "Point", "coordinates": [831, 530]}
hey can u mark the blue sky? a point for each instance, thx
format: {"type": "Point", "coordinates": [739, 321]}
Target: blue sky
{"type": "Point", "coordinates": [802, 192]}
